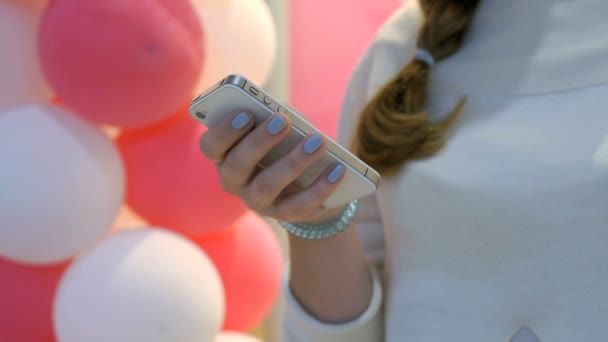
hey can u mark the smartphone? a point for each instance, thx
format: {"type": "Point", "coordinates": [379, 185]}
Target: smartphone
{"type": "Point", "coordinates": [235, 93]}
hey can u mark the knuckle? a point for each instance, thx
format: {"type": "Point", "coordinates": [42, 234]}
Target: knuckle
{"type": "Point", "coordinates": [228, 166]}
{"type": "Point", "coordinates": [320, 192]}
{"type": "Point", "coordinates": [294, 162]}
{"type": "Point", "coordinates": [252, 204]}
{"type": "Point", "coordinates": [262, 192]}
{"type": "Point", "coordinates": [259, 190]}
{"type": "Point", "coordinates": [229, 174]}
{"type": "Point", "coordinates": [246, 154]}
{"type": "Point", "coordinates": [258, 143]}
{"type": "Point", "coordinates": [227, 187]}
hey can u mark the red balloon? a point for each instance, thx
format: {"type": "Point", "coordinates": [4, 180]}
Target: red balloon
{"type": "Point", "coordinates": [127, 63]}
{"type": "Point", "coordinates": [170, 183]}
{"type": "Point", "coordinates": [248, 257]}
{"type": "Point", "coordinates": [26, 301]}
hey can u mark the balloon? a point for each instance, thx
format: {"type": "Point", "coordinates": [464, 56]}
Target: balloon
{"type": "Point", "coordinates": [249, 260]}
{"type": "Point", "coordinates": [21, 78]}
{"type": "Point", "coordinates": [111, 131]}
{"type": "Point", "coordinates": [170, 183]}
{"type": "Point", "coordinates": [228, 336]}
{"type": "Point", "coordinates": [61, 181]}
{"type": "Point", "coordinates": [140, 285]}
{"type": "Point", "coordinates": [126, 219]}
{"type": "Point", "coordinates": [211, 3]}
{"type": "Point", "coordinates": [32, 4]}
{"type": "Point", "coordinates": [128, 63]}
{"type": "Point", "coordinates": [26, 301]}
{"type": "Point", "coordinates": [241, 39]}
{"type": "Point", "coordinates": [320, 67]}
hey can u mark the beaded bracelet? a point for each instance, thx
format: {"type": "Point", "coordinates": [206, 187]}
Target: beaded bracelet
{"type": "Point", "coordinates": [324, 230]}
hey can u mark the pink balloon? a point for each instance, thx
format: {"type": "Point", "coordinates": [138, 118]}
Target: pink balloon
{"type": "Point", "coordinates": [248, 257]}
{"type": "Point", "coordinates": [323, 52]}
{"type": "Point", "coordinates": [170, 183]}
{"type": "Point", "coordinates": [128, 63]}
{"type": "Point", "coordinates": [26, 301]}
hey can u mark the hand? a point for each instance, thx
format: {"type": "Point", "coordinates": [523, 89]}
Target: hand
{"type": "Point", "coordinates": [237, 147]}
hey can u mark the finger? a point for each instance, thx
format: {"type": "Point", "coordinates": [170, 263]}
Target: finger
{"type": "Point", "coordinates": [307, 204]}
{"type": "Point", "coordinates": [270, 183]}
{"type": "Point", "coordinates": [217, 141]}
{"type": "Point", "coordinates": [243, 159]}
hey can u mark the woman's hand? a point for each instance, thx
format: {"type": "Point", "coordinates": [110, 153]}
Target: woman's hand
{"type": "Point", "coordinates": [237, 147]}
{"type": "Point", "coordinates": [329, 277]}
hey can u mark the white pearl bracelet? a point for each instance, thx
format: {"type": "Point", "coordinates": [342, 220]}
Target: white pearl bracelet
{"type": "Point", "coordinates": [324, 230]}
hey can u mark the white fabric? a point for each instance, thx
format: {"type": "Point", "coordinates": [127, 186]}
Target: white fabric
{"type": "Point", "coordinates": [365, 328]}
{"type": "Point", "coordinates": [508, 226]}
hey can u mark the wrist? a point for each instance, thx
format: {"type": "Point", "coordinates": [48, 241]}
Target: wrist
{"type": "Point", "coordinates": [312, 231]}
{"type": "Point", "coordinates": [326, 216]}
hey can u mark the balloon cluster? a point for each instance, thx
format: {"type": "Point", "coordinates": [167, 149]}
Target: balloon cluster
{"type": "Point", "coordinates": [113, 227]}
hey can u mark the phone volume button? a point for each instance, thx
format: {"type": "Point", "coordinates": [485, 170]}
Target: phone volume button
{"type": "Point", "coordinates": [254, 91]}
{"type": "Point", "coordinates": [267, 100]}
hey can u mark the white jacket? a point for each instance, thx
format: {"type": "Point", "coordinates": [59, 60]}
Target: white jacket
{"type": "Point", "coordinates": [508, 226]}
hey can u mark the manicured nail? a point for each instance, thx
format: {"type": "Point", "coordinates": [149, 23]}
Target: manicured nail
{"type": "Point", "coordinates": [313, 143]}
{"type": "Point", "coordinates": [240, 121]}
{"type": "Point", "coordinates": [335, 174]}
{"type": "Point", "coordinates": [276, 125]}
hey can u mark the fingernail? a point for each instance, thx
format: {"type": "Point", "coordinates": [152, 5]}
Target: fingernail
{"type": "Point", "coordinates": [313, 143]}
{"type": "Point", "coordinates": [276, 125]}
{"type": "Point", "coordinates": [240, 121]}
{"type": "Point", "coordinates": [336, 173]}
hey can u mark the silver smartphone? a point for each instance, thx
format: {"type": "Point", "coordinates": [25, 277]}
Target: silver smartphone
{"type": "Point", "coordinates": [236, 93]}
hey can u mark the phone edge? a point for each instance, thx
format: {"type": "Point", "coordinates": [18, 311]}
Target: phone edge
{"type": "Point", "coordinates": [333, 147]}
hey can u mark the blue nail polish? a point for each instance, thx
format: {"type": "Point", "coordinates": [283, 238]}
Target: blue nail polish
{"type": "Point", "coordinates": [276, 125]}
{"type": "Point", "coordinates": [313, 143]}
{"type": "Point", "coordinates": [240, 121]}
{"type": "Point", "coordinates": [335, 174]}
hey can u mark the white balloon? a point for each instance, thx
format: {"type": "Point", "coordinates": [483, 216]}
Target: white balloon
{"type": "Point", "coordinates": [21, 77]}
{"type": "Point", "coordinates": [61, 184]}
{"type": "Point", "coordinates": [229, 336]}
{"type": "Point", "coordinates": [240, 38]}
{"type": "Point", "coordinates": [211, 2]}
{"type": "Point", "coordinates": [140, 285]}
